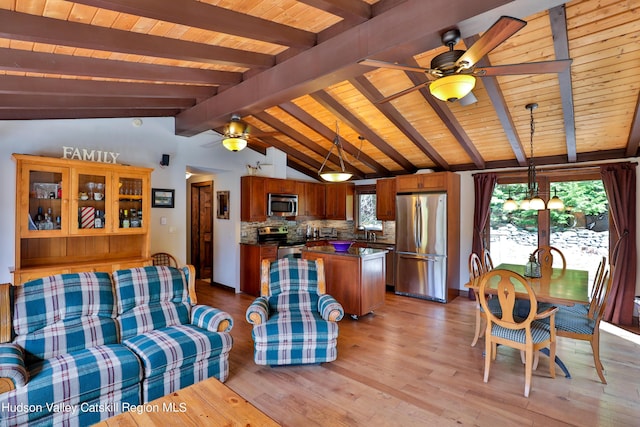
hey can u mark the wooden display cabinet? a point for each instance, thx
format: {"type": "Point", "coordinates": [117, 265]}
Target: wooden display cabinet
{"type": "Point", "coordinates": [67, 217]}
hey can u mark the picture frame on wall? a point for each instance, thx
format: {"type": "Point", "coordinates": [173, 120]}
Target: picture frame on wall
{"type": "Point", "coordinates": [223, 205]}
{"type": "Point", "coordinates": [162, 197]}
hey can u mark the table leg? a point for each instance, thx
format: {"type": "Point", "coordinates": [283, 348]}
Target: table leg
{"type": "Point", "coordinates": [558, 362]}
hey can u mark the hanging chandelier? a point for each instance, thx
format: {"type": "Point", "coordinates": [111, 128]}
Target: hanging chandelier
{"type": "Point", "coordinates": [335, 176]}
{"type": "Point", "coordinates": [532, 199]}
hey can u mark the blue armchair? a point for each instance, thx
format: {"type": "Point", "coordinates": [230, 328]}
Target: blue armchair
{"type": "Point", "coordinates": [294, 320]}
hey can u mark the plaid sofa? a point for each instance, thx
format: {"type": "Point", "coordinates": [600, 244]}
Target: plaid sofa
{"type": "Point", "coordinates": [78, 355]}
{"type": "Point", "coordinates": [294, 320]}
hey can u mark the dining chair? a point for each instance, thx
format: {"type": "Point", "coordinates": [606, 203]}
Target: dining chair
{"type": "Point", "coordinates": [595, 289]}
{"type": "Point", "coordinates": [487, 260]}
{"type": "Point", "coordinates": [476, 269]}
{"type": "Point", "coordinates": [521, 333]}
{"type": "Point", "coordinates": [165, 259]}
{"type": "Point", "coordinates": [545, 255]}
{"type": "Point", "coordinates": [586, 326]}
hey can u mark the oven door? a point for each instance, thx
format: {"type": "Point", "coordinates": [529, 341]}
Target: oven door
{"type": "Point", "coordinates": [290, 251]}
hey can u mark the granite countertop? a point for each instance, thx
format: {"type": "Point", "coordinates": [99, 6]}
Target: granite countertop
{"type": "Point", "coordinates": [352, 252]}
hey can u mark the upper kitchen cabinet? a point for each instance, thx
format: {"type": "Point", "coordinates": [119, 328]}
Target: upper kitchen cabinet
{"type": "Point", "coordinates": [436, 181]}
{"type": "Point", "coordinates": [339, 203]}
{"type": "Point", "coordinates": [386, 199]}
{"type": "Point", "coordinates": [311, 199]}
{"type": "Point", "coordinates": [253, 198]}
{"type": "Point", "coordinates": [280, 186]}
{"type": "Point", "coordinates": [67, 217]}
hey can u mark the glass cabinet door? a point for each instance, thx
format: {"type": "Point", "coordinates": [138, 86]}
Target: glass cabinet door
{"type": "Point", "coordinates": [44, 198]}
{"type": "Point", "coordinates": [89, 200]}
{"type": "Point", "coordinates": [132, 199]}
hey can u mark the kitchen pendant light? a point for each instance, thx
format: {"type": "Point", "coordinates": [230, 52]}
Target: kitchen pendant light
{"type": "Point", "coordinates": [236, 134]}
{"type": "Point", "coordinates": [335, 176]}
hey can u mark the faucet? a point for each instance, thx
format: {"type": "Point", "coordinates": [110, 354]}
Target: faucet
{"type": "Point", "coordinates": [371, 236]}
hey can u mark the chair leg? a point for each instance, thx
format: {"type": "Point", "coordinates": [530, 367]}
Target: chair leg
{"type": "Point", "coordinates": [528, 368]}
{"type": "Point", "coordinates": [478, 327]}
{"type": "Point", "coordinates": [488, 355]}
{"type": "Point", "coordinates": [552, 359]}
{"type": "Point", "coordinates": [595, 347]}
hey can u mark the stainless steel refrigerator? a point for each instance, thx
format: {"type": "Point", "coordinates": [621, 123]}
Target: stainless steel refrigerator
{"type": "Point", "coordinates": [421, 245]}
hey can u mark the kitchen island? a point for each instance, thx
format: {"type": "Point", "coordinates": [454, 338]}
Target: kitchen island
{"type": "Point", "coordinates": [355, 278]}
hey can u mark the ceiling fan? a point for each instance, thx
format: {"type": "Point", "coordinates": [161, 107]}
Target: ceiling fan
{"type": "Point", "coordinates": [453, 73]}
{"type": "Point", "coordinates": [236, 134]}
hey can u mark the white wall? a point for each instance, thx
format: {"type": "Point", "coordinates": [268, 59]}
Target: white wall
{"type": "Point", "coordinates": [139, 146]}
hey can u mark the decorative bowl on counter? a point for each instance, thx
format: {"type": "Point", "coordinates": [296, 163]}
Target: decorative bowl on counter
{"type": "Point", "coordinates": [341, 245]}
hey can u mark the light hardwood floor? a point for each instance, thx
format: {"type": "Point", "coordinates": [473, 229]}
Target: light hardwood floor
{"type": "Point", "coordinates": [411, 364]}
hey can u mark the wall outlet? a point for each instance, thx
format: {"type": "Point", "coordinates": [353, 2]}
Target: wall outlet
{"type": "Point", "coordinates": [163, 220]}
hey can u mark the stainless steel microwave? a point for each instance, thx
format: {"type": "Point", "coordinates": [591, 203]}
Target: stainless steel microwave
{"type": "Point", "coordinates": [282, 205]}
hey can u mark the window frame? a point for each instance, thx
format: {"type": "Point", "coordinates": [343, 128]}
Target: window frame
{"type": "Point", "coordinates": [360, 190]}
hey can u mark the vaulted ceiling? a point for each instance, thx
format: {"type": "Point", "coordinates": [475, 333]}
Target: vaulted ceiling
{"type": "Point", "coordinates": [291, 70]}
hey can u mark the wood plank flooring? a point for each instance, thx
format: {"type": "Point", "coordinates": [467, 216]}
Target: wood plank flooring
{"type": "Point", "coordinates": [411, 363]}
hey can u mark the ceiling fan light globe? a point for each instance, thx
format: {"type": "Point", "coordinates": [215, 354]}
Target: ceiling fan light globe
{"type": "Point", "coordinates": [234, 143]}
{"type": "Point", "coordinates": [335, 176]}
{"type": "Point", "coordinates": [452, 87]}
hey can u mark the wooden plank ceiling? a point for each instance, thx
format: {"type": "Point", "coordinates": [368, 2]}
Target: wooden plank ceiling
{"type": "Point", "coordinates": [290, 69]}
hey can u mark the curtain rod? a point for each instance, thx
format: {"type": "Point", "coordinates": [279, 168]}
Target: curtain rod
{"type": "Point", "coordinates": [522, 169]}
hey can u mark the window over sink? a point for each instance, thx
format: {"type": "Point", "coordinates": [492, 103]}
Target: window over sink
{"type": "Point", "coordinates": [366, 208]}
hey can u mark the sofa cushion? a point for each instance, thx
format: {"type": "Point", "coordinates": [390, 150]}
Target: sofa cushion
{"type": "Point", "coordinates": [71, 379]}
{"type": "Point", "coordinates": [150, 298]}
{"type": "Point", "coordinates": [293, 275]}
{"type": "Point", "coordinates": [64, 313]}
{"type": "Point", "coordinates": [165, 349]}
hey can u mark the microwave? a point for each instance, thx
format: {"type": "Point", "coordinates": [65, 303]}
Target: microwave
{"type": "Point", "coordinates": [282, 205]}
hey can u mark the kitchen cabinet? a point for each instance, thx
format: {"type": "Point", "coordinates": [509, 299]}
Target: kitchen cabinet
{"type": "Point", "coordinates": [436, 181]}
{"type": "Point", "coordinates": [280, 186]}
{"type": "Point", "coordinates": [339, 203]}
{"type": "Point", "coordinates": [386, 199]}
{"type": "Point", "coordinates": [389, 258]}
{"type": "Point", "coordinates": [253, 198]}
{"type": "Point", "coordinates": [311, 199]}
{"type": "Point", "coordinates": [251, 256]}
{"type": "Point", "coordinates": [68, 216]}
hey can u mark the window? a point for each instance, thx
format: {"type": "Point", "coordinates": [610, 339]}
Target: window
{"type": "Point", "coordinates": [366, 208]}
{"type": "Point", "coordinates": [580, 230]}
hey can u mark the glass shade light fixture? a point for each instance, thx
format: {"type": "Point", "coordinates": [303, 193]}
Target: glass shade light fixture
{"type": "Point", "coordinates": [555, 202]}
{"type": "Point", "coordinates": [510, 204]}
{"type": "Point", "coordinates": [236, 134]}
{"type": "Point", "coordinates": [452, 87]}
{"type": "Point", "coordinates": [335, 176]}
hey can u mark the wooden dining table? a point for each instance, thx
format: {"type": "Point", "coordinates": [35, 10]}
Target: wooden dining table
{"type": "Point", "coordinates": [562, 287]}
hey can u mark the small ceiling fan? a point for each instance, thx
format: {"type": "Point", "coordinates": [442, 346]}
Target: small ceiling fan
{"type": "Point", "coordinates": [236, 134]}
{"type": "Point", "coordinates": [452, 73]}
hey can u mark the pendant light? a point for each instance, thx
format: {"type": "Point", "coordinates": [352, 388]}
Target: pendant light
{"type": "Point", "coordinates": [335, 176]}
{"type": "Point", "coordinates": [236, 134]}
{"type": "Point", "coordinates": [555, 202]}
{"type": "Point", "coordinates": [535, 202]}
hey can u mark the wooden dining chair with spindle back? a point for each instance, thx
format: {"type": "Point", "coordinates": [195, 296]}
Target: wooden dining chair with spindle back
{"type": "Point", "coordinates": [477, 269]}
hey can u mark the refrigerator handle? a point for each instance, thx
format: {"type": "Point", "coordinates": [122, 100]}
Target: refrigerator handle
{"type": "Point", "coordinates": [418, 225]}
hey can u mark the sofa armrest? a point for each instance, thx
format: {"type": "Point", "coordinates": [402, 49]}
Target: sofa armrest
{"type": "Point", "coordinates": [329, 308]}
{"type": "Point", "coordinates": [13, 371]}
{"type": "Point", "coordinates": [211, 319]}
{"type": "Point", "coordinates": [258, 311]}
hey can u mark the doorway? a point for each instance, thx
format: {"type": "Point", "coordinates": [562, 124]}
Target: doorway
{"type": "Point", "coordinates": [202, 229]}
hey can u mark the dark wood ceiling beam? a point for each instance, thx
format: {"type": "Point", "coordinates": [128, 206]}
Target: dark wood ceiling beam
{"type": "Point", "coordinates": [634, 134]}
{"type": "Point", "coordinates": [328, 102]}
{"type": "Point", "coordinates": [351, 11]}
{"type": "Point", "coordinates": [447, 117]}
{"type": "Point", "coordinates": [303, 140]}
{"type": "Point", "coordinates": [403, 31]}
{"type": "Point", "coordinates": [558, 20]}
{"type": "Point", "coordinates": [49, 63]}
{"type": "Point", "coordinates": [318, 127]}
{"type": "Point", "coordinates": [71, 87]}
{"type": "Point", "coordinates": [83, 113]}
{"type": "Point", "coordinates": [373, 94]}
{"type": "Point", "coordinates": [39, 29]}
{"type": "Point", "coordinates": [302, 169]}
{"type": "Point", "coordinates": [209, 17]}
{"type": "Point", "coordinates": [27, 102]}
{"type": "Point", "coordinates": [500, 106]}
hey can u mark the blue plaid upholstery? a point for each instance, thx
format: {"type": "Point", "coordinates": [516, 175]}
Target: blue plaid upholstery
{"type": "Point", "coordinates": [59, 314]}
{"type": "Point", "coordinates": [177, 344]}
{"type": "Point", "coordinates": [570, 321]}
{"type": "Point", "coordinates": [97, 373]}
{"type": "Point", "coordinates": [12, 364]}
{"type": "Point", "coordinates": [494, 306]}
{"type": "Point", "coordinates": [291, 323]}
{"type": "Point", "coordinates": [539, 333]}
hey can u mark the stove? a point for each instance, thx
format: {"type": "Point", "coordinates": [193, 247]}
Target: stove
{"type": "Point", "coordinates": [280, 236]}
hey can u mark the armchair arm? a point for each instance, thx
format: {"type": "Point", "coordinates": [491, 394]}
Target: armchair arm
{"type": "Point", "coordinates": [13, 371]}
{"type": "Point", "coordinates": [258, 311]}
{"type": "Point", "coordinates": [329, 308]}
{"type": "Point", "coordinates": [211, 319]}
{"type": "Point", "coordinates": [546, 313]}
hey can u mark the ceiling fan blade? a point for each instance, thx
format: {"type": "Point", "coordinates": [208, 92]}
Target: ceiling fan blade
{"type": "Point", "coordinates": [403, 92]}
{"type": "Point", "coordinates": [541, 67]}
{"type": "Point", "coordinates": [501, 30]}
{"type": "Point", "coordinates": [384, 64]}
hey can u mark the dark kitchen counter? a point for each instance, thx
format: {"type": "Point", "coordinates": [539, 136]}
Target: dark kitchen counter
{"type": "Point", "coordinates": [352, 252]}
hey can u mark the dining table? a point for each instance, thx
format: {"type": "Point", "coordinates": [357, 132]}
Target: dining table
{"type": "Point", "coordinates": [562, 287]}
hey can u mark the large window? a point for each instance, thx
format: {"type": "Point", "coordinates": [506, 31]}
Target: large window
{"type": "Point", "coordinates": [366, 208]}
{"type": "Point", "coordinates": [580, 230]}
